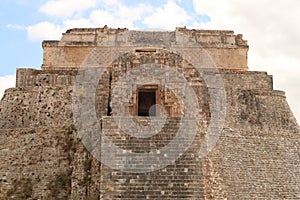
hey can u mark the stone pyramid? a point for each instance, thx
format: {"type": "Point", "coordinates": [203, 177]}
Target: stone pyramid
{"type": "Point", "coordinates": [123, 114]}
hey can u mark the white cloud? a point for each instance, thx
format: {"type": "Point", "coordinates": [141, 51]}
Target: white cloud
{"type": "Point", "coordinates": [112, 13]}
{"type": "Point", "coordinates": [270, 27]}
{"type": "Point", "coordinates": [168, 16]}
{"type": "Point", "coordinates": [66, 8]}
{"type": "Point", "coordinates": [273, 33]}
{"type": "Point", "coordinates": [119, 15]}
{"type": "Point", "coordinates": [78, 23]}
{"type": "Point", "coordinates": [104, 17]}
{"type": "Point", "coordinates": [6, 82]}
{"type": "Point", "coordinates": [44, 30]}
{"type": "Point", "coordinates": [15, 26]}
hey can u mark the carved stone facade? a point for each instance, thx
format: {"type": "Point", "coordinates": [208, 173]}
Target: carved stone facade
{"type": "Point", "coordinates": [243, 140]}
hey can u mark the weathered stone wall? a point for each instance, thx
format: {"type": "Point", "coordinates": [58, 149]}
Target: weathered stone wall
{"type": "Point", "coordinates": [36, 162]}
{"type": "Point", "coordinates": [35, 81]}
{"type": "Point", "coordinates": [65, 57]}
{"type": "Point", "coordinates": [32, 77]}
{"type": "Point", "coordinates": [36, 107]}
{"type": "Point", "coordinates": [255, 157]}
{"type": "Point", "coordinates": [236, 79]}
{"type": "Point", "coordinates": [249, 80]}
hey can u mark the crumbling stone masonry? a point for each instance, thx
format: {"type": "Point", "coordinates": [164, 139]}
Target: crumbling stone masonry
{"type": "Point", "coordinates": [252, 153]}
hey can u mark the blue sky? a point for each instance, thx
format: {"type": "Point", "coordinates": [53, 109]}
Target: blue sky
{"type": "Point", "coordinates": [16, 50]}
{"type": "Point", "coordinates": [271, 28]}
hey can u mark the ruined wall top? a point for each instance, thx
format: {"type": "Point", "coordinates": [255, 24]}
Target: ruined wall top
{"type": "Point", "coordinates": [123, 36]}
{"type": "Point", "coordinates": [229, 51]}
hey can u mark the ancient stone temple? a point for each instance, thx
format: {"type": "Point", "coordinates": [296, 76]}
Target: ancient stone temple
{"type": "Point", "coordinates": [122, 114]}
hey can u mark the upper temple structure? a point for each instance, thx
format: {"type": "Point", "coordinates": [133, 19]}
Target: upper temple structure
{"type": "Point", "coordinates": [124, 114]}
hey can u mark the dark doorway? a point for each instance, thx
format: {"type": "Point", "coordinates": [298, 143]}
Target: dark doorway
{"type": "Point", "coordinates": [146, 99]}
